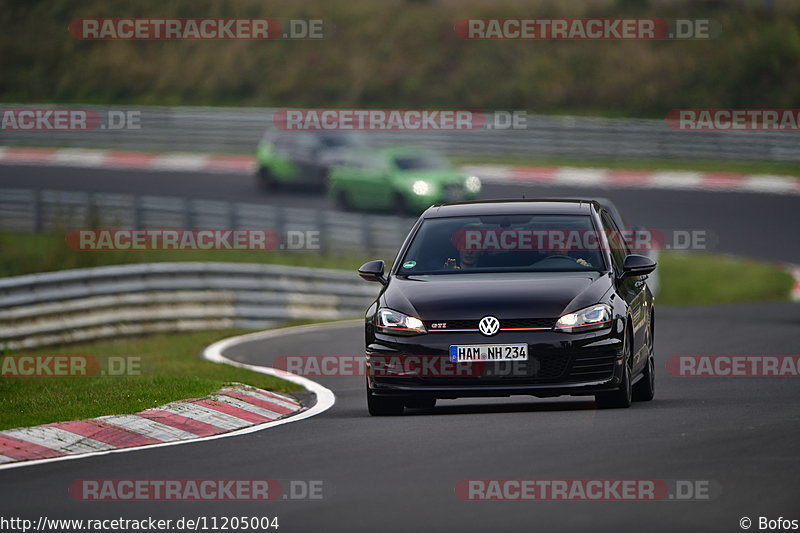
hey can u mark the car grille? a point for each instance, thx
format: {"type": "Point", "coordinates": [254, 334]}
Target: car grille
{"type": "Point", "coordinates": [592, 367]}
{"type": "Point", "coordinates": [552, 368]}
{"type": "Point", "coordinates": [506, 323]}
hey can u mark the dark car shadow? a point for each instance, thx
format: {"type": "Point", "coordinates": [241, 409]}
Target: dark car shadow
{"type": "Point", "coordinates": [529, 407]}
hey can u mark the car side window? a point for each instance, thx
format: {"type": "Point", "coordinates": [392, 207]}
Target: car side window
{"type": "Point", "coordinates": [619, 249]}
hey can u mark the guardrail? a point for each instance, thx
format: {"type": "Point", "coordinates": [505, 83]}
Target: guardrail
{"type": "Point", "coordinates": [222, 129]}
{"type": "Point", "coordinates": [339, 232]}
{"type": "Point", "coordinates": [92, 303]}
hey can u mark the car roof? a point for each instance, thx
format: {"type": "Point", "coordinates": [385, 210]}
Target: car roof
{"type": "Point", "coordinates": [531, 206]}
{"type": "Point", "coordinates": [604, 202]}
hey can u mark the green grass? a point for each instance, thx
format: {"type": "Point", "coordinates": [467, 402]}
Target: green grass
{"type": "Point", "coordinates": [404, 54]}
{"type": "Point", "coordinates": [25, 253]}
{"type": "Point", "coordinates": [171, 370]}
{"type": "Point", "coordinates": [743, 167]}
{"type": "Point", "coordinates": [698, 278]}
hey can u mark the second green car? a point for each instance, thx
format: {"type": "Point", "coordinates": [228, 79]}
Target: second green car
{"type": "Point", "coordinates": [404, 180]}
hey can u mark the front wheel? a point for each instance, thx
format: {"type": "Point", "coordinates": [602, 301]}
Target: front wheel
{"type": "Point", "coordinates": [400, 205]}
{"type": "Point", "coordinates": [623, 396]}
{"type": "Point", "coordinates": [378, 406]}
{"type": "Point", "coordinates": [645, 388]}
{"type": "Point", "coordinates": [343, 200]}
{"type": "Point", "coordinates": [266, 179]}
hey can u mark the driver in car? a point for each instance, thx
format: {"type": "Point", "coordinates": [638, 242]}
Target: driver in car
{"type": "Point", "coordinates": [560, 249]}
{"type": "Point", "coordinates": [466, 259]}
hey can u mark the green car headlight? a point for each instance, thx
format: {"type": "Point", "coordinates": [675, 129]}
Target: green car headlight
{"type": "Point", "coordinates": [421, 188]}
{"type": "Point", "coordinates": [473, 184]}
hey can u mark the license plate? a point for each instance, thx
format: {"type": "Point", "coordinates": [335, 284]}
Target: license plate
{"type": "Point", "coordinates": [488, 352]}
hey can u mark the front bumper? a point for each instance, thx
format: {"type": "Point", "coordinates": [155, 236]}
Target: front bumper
{"type": "Point", "coordinates": [558, 364]}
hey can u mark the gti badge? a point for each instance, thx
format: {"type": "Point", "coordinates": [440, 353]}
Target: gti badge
{"type": "Point", "coordinates": [489, 325]}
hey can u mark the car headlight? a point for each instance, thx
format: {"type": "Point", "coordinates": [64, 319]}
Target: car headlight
{"type": "Point", "coordinates": [594, 317]}
{"type": "Point", "coordinates": [421, 187]}
{"type": "Point", "coordinates": [391, 321]}
{"type": "Point", "coordinates": [473, 184]}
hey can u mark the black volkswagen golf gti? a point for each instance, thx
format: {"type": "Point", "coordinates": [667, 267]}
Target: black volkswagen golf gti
{"type": "Point", "coordinates": [510, 297]}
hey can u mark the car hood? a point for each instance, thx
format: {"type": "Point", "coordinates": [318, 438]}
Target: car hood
{"type": "Point", "coordinates": [473, 296]}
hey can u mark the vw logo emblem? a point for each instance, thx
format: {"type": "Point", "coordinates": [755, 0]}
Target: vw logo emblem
{"type": "Point", "coordinates": [489, 325]}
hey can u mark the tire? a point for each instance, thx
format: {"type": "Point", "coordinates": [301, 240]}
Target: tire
{"type": "Point", "coordinates": [343, 201]}
{"type": "Point", "coordinates": [323, 178]}
{"type": "Point", "coordinates": [645, 388]}
{"type": "Point", "coordinates": [266, 179]}
{"type": "Point", "coordinates": [400, 205]}
{"type": "Point", "coordinates": [421, 402]}
{"type": "Point", "coordinates": [623, 396]}
{"type": "Point", "coordinates": [378, 406]}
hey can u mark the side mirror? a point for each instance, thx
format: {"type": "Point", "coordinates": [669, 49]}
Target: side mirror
{"type": "Point", "coordinates": [373, 271]}
{"type": "Point", "coordinates": [638, 265]}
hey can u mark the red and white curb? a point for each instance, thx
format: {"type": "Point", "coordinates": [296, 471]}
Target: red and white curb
{"type": "Point", "coordinates": [562, 176]}
{"type": "Point", "coordinates": [232, 408]}
{"type": "Point", "coordinates": [233, 411]}
{"type": "Point", "coordinates": [621, 178]}
{"type": "Point", "coordinates": [116, 159]}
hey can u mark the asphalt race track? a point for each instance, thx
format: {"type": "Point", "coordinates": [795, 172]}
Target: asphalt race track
{"type": "Point", "coordinates": [399, 473]}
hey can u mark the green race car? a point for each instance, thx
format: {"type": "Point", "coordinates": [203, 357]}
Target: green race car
{"type": "Point", "coordinates": [404, 180]}
{"type": "Point", "coordinates": [302, 158]}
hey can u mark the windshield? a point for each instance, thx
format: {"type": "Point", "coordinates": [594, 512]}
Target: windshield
{"type": "Point", "coordinates": [342, 141]}
{"type": "Point", "coordinates": [421, 161]}
{"type": "Point", "coordinates": [504, 243]}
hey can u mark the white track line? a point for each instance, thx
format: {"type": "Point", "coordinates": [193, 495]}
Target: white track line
{"type": "Point", "coordinates": [325, 397]}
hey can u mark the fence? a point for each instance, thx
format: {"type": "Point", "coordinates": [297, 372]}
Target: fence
{"type": "Point", "coordinates": [92, 303]}
{"type": "Point", "coordinates": [221, 129]}
{"type": "Point", "coordinates": [30, 210]}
